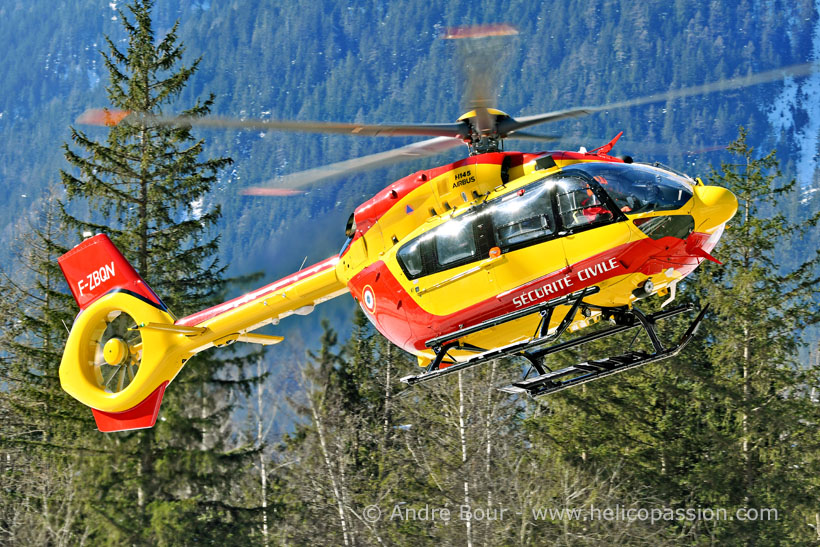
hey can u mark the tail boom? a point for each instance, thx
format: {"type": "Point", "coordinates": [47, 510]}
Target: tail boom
{"type": "Point", "coordinates": [312, 285]}
{"type": "Point", "coordinates": [234, 320]}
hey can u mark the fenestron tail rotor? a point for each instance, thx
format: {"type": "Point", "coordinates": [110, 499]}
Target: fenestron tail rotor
{"type": "Point", "coordinates": [117, 351]}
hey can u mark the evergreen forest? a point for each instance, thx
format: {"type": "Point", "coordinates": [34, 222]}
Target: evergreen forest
{"type": "Point", "coordinates": [315, 441]}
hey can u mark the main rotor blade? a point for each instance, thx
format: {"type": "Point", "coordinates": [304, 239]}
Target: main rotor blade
{"type": "Point", "coordinates": [285, 185]}
{"type": "Point", "coordinates": [507, 127]}
{"type": "Point", "coordinates": [113, 117]}
{"type": "Point", "coordinates": [481, 48]}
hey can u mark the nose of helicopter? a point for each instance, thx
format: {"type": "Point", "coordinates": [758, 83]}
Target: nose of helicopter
{"type": "Point", "coordinates": [714, 206]}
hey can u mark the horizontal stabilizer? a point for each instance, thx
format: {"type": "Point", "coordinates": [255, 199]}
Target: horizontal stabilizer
{"type": "Point", "coordinates": [249, 337]}
{"type": "Point", "coordinates": [264, 339]}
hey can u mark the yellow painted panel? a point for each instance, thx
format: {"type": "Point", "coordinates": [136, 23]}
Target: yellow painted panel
{"type": "Point", "coordinates": [449, 291]}
{"type": "Point", "coordinates": [523, 265]}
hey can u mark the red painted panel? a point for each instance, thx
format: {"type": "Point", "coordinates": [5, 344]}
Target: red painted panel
{"type": "Point", "coordinates": [95, 267]}
{"type": "Point", "coordinates": [140, 417]}
{"type": "Point", "coordinates": [387, 311]}
{"type": "Point", "coordinates": [647, 256]}
{"type": "Point", "coordinates": [579, 156]}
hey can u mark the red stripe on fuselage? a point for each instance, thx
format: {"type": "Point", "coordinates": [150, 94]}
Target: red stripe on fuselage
{"type": "Point", "coordinates": [204, 315]}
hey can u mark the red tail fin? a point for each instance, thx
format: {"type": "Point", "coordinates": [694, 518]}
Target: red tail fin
{"type": "Point", "coordinates": [96, 266]}
{"type": "Point", "coordinates": [93, 269]}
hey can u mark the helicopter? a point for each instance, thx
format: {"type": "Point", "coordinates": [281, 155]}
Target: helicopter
{"type": "Point", "coordinates": [501, 253]}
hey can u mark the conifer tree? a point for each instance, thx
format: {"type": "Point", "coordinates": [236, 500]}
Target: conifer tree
{"type": "Point", "coordinates": [457, 445]}
{"type": "Point", "coordinates": [147, 186]}
{"type": "Point", "coordinates": [41, 440]}
{"type": "Point", "coordinates": [761, 389]}
{"type": "Point", "coordinates": [729, 423]}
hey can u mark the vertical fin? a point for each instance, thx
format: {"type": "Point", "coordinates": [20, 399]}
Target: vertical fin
{"type": "Point", "coordinates": [605, 149]}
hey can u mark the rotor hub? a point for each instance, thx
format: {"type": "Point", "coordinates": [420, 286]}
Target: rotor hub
{"type": "Point", "coordinates": [484, 144]}
{"type": "Point", "coordinates": [115, 351]}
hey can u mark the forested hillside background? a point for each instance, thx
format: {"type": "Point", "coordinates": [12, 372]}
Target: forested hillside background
{"type": "Point", "coordinates": [384, 62]}
{"type": "Point", "coordinates": [325, 437]}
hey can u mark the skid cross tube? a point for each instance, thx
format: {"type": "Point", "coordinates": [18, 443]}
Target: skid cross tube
{"type": "Point", "coordinates": [573, 297]}
{"type": "Point", "coordinates": [581, 340]}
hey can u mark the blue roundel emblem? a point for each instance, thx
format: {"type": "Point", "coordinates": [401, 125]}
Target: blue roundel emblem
{"type": "Point", "coordinates": [369, 299]}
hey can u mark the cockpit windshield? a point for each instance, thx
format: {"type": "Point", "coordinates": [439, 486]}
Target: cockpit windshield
{"type": "Point", "coordinates": [637, 188]}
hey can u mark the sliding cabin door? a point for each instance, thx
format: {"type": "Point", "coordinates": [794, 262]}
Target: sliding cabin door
{"type": "Point", "coordinates": [525, 232]}
{"type": "Point", "coordinates": [445, 268]}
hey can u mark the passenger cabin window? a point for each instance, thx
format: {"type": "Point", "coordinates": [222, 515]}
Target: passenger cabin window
{"type": "Point", "coordinates": [454, 242]}
{"type": "Point", "coordinates": [579, 205]}
{"type": "Point", "coordinates": [522, 218]}
{"type": "Point", "coordinates": [410, 258]}
{"type": "Point", "coordinates": [450, 245]}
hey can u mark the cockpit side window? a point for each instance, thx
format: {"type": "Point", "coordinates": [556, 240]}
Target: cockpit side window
{"type": "Point", "coordinates": [640, 189]}
{"type": "Point", "coordinates": [410, 258]}
{"type": "Point", "coordinates": [579, 205]}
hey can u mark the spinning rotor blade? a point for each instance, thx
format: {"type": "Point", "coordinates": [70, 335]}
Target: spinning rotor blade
{"type": "Point", "coordinates": [482, 128]}
{"type": "Point", "coordinates": [481, 54]}
{"type": "Point", "coordinates": [117, 352]}
{"type": "Point", "coordinates": [508, 126]}
{"type": "Point", "coordinates": [113, 117]}
{"type": "Point", "coordinates": [289, 184]}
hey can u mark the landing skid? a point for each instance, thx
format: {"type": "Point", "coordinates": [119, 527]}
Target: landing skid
{"type": "Point", "coordinates": [547, 381]}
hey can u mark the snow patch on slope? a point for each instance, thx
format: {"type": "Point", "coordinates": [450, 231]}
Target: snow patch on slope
{"type": "Point", "coordinates": [801, 98]}
{"type": "Point", "coordinates": [196, 208]}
